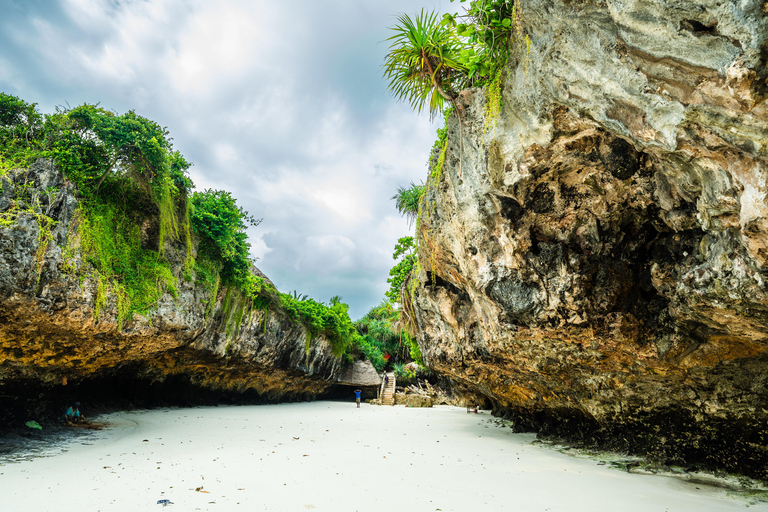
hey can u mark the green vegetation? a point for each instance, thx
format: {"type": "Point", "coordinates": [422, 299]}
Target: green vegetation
{"type": "Point", "coordinates": [406, 257]}
{"type": "Point", "coordinates": [487, 28]}
{"type": "Point", "coordinates": [438, 153]}
{"type": "Point", "coordinates": [126, 172]}
{"type": "Point", "coordinates": [330, 320]}
{"type": "Point", "coordinates": [221, 225]}
{"type": "Point", "coordinates": [380, 340]}
{"type": "Point", "coordinates": [423, 64]}
{"type": "Point", "coordinates": [137, 212]}
{"type": "Point", "coordinates": [111, 243]}
{"type": "Point", "coordinates": [431, 59]}
{"type": "Point", "coordinates": [407, 201]}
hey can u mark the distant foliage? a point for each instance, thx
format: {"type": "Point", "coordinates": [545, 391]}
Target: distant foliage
{"type": "Point", "coordinates": [331, 320]}
{"type": "Point", "coordinates": [379, 336]}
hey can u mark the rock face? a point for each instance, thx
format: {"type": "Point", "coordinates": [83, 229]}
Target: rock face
{"type": "Point", "coordinates": [49, 333]}
{"type": "Point", "coordinates": [596, 265]}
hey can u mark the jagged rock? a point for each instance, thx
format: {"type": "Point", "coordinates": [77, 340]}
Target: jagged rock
{"type": "Point", "coordinates": [413, 400]}
{"type": "Point", "coordinates": [49, 333]}
{"type": "Point", "coordinates": [596, 266]}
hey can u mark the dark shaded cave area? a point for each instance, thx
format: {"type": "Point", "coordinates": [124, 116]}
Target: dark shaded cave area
{"type": "Point", "coordinates": [614, 271]}
{"type": "Point", "coordinates": [118, 389]}
{"type": "Point", "coordinates": [346, 393]}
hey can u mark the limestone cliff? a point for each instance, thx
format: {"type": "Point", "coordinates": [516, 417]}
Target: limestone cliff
{"type": "Point", "coordinates": [596, 267]}
{"type": "Point", "coordinates": [50, 332]}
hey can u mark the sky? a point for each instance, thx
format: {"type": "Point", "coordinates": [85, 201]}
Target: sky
{"type": "Point", "coordinates": [283, 104]}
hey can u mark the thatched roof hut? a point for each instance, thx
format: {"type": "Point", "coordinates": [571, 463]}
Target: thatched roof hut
{"type": "Point", "coordinates": [359, 373]}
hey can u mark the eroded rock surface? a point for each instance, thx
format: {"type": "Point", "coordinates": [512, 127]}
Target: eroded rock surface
{"type": "Point", "coordinates": [596, 266]}
{"type": "Point", "coordinates": [50, 332]}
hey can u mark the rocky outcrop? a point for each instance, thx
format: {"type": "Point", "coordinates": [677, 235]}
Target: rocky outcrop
{"type": "Point", "coordinates": [50, 333]}
{"type": "Point", "coordinates": [596, 266]}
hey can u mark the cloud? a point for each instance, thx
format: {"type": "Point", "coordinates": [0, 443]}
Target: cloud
{"type": "Point", "coordinates": [281, 103]}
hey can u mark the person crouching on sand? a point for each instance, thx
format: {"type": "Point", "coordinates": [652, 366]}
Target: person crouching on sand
{"type": "Point", "coordinates": [73, 414]}
{"type": "Point", "coordinates": [357, 397]}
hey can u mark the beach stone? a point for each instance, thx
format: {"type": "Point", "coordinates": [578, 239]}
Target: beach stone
{"type": "Point", "coordinates": [416, 400]}
{"type": "Point", "coordinates": [594, 261]}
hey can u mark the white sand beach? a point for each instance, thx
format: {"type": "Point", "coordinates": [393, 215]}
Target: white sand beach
{"type": "Point", "coordinates": [331, 456]}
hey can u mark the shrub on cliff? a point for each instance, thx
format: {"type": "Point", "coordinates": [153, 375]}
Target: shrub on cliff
{"type": "Point", "coordinates": [431, 59]}
{"type": "Point", "coordinates": [406, 257]}
{"type": "Point", "coordinates": [331, 320]}
{"type": "Point", "coordinates": [221, 224]}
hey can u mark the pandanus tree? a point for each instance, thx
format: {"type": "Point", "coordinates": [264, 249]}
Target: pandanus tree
{"type": "Point", "coordinates": [407, 201]}
{"type": "Point", "coordinates": [423, 64]}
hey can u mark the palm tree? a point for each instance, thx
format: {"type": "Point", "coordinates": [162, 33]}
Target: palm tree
{"type": "Point", "coordinates": [407, 201]}
{"type": "Point", "coordinates": [297, 296]}
{"type": "Point", "coordinates": [422, 64]}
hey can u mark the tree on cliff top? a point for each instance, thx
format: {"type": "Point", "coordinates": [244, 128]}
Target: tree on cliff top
{"type": "Point", "coordinates": [423, 64]}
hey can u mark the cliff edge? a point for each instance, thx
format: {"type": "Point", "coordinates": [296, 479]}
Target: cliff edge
{"type": "Point", "coordinates": [596, 265]}
{"type": "Point", "coordinates": [61, 334]}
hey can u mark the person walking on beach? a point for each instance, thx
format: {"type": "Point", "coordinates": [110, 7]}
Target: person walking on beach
{"type": "Point", "coordinates": [357, 397]}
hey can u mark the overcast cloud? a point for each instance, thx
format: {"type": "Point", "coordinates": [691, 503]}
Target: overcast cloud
{"type": "Point", "coordinates": [281, 103]}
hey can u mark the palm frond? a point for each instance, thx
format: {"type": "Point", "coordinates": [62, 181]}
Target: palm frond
{"type": "Point", "coordinates": [422, 65]}
{"type": "Point", "coordinates": [407, 201]}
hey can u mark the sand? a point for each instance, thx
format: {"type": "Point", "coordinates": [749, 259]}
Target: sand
{"type": "Point", "coordinates": [331, 456]}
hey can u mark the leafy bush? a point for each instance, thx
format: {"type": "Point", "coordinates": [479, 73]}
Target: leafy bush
{"type": "Point", "coordinates": [379, 337]}
{"type": "Point", "coordinates": [222, 225]}
{"type": "Point", "coordinates": [406, 257]}
{"type": "Point", "coordinates": [487, 28]}
{"type": "Point", "coordinates": [20, 124]}
{"type": "Point", "coordinates": [331, 320]}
